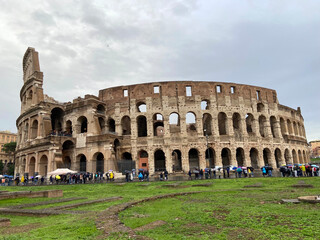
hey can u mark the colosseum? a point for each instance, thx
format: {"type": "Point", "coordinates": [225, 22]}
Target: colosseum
{"type": "Point", "coordinates": [176, 126]}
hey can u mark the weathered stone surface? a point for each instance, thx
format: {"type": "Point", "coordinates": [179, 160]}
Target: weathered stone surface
{"type": "Point", "coordinates": [295, 201]}
{"type": "Point", "coordinates": [32, 194]}
{"type": "Point", "coordinates": [310, 199]}
{"type": "Point", "coordinates": [5, 222]}
{"type": "Point", "coordinates": [158, 125]}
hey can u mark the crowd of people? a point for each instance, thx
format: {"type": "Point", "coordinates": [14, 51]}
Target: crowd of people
{"type": "Point", "coordinates": [296, 170]}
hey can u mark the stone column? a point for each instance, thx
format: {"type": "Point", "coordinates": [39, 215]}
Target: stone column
{"type": "Point", "coordinates": [277, 129]}
{"type": "Point", "coordinates": [202, 158]}
{"type": "Point", "coordinates": [218, 157]}
{"type": "Point", "coordinates": [151, 161]}
{"type": "Point", "coordinates": [229, 125]}
{"type": "Point", "coordinates": [37, 163]}
{"type": "Point", "coordinates": [184, 160]}
{"type": "Point", "coordinates": [260, 158]}
{"type": "Point", "coordinates": [247, 160]}
{"type": "Point", "coordinates": [233, 160]}
{"type": "Point", "coordinates": [167, 154]}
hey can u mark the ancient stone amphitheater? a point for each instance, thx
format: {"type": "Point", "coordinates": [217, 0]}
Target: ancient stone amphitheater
{"type": "Point", "coordinates": [176, 126]}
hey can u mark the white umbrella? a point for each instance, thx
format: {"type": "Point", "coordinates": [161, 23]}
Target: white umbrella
{"type": "Point", "coordinates": [61, 171]}
{"type": "Point", "coordinates": [1, 176]}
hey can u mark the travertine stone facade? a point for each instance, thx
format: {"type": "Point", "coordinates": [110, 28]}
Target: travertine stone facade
{"type": "Point", "coordinates": [162, 125]}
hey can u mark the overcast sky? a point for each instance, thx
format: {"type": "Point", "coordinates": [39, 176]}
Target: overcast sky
{"type": "Point", "coordinates": [85, 46]}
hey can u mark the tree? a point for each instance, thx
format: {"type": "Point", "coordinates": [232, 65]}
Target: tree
{"type": "Point", "coordinates": [9, 147]}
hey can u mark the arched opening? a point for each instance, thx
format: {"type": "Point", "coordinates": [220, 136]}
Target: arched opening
{"type": "Point", "coordinates": [262, 126]}
{"type": "Point", "coordinates": [249, 123]}
{"type": "Point", "coordinates": [240, 156]}
{"type": "Point", "coordinates": [300, 156]}
{"type": "Point", "coordinates": [100, 163]}
{"type": "Point", "coordinates": [143, 159]}
{"type": "Point", "coordinates": [193, 159]}
{"type": "Point", "coordinates": [158, 127]}
{"type": "Point", "coordinates": [43, 166]}
{"type": "Point", "coordinates": [34, 129]}
{"type": "Point", "coordinates": [236, 122]}
{"type": "Point", "coordinates": [127, 156]}
{"type": "Point", "coordinates": [101, 109]}
{"type": "Point", "coordinates": [57, 119]}
{"type": "Point", "coordinates": [222, 123]}
{"type": "Point", "coordinates": [294, 156]}
{"type": "Point", "coordinates": [142, 126]}
{"type": "Point", "coordinates": [176, 160]}
{"type": "Point", "coordinates": [126, 125]}
{"type": "Point", "coordinates": [174, 123]}
{"type": "Point", "coordinates": [67, 145]}
{"type": "Point", "coordinates": [287, 156]}
{"type": "Point", "coordinates": [260, 107]}
{"type": "Point", "coordinates": [159, 161]}
{"type": "Point", "coordinates": [210, 158]}
{"type": "Point", "coordinates": [66, 162]}
{"type": "Point", "coordinates": [141, 107]}
{"type": "Point", "coordinates": [83, 163]}
{"type": "Point", "coordinates": [289, 127]}
{"type": "Point", "coordinates": [278, 158]}
{"type": "Point", "coordinates": [267, 157]}
{"type": "Point", "coordinates": [32, 166]}
{"type": "Point", "coordinates": [69, 128]}
{"type": "Point", "coordinates": [116, 148]}
{"type": "Point", "coordinates": [254, 157]}
{"type": "Point", "coordinates": [295, 129]}
{"type": "Point", "coordinates": [191, 122]}
{"type": "Point", "coordinates": [102, 125]}
{"type": "Point", "coordinates": [226, 157]}
{"type": "Point", "coordinates": [111, 125]}
{"type": "Point", "coordinates": [273, 125]}
{"type": "Point", "coordinates": [207, 123]}
{"type": "Point", "coordinates": [83, 123]}
{"type": "Point", "coordinates": [283, 127]}
{"type": "Point", "coordinates": [205, 104]}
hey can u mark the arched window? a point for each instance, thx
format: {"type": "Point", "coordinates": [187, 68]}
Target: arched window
{"type": "Point", "coordinates": [273, 125]}
{"type": "Point", "coordinates": [141, 107]}
{"type": "Point", "coordinates": [191, 122]}
{"type": "Point", "coordinates": [158, 126]}
{"type": "Point", "coordinates": [111, 125]}
{"type": "Point", "coordinates": [83, 122]}
{"type": "Point", "coordinates": [34, 129]}
{"type": "Point", "coordinates": [207, 123]}
{"type": "Point", "coordinates": [174, 123]}
{"type": "Point", "coordinates": [249, 123]}
{"type": "Point", "coordinates": [205, 104]}
{"type": "Point", "coordinates": [126, 125]}
{"type": "Point", "coordinates": [262, 126]}
{"type": "Point", "coordinates": [57, 115]}
{"type": "Point", "coordinates": [222, 123]}
{"type": "Point", "coordinates": [142, 126]}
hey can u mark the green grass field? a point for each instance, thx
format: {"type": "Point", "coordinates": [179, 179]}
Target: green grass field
{"type": "Point", "coordinates": [224, 210]}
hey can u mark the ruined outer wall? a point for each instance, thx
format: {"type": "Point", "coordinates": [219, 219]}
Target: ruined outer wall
{"type": "Point", "coordinates": [233, 98]}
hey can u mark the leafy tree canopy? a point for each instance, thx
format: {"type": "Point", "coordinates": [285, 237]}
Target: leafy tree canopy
{"type": "Point", "coordinates": [9, 147]}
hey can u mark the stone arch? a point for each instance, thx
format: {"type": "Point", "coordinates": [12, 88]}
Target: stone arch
{"type": "Point", "coordinates": [116, 148]}
{"type": "Point", "coordinates": [57, 115]}
{"type": "Point", "coordinates": [32, 166]}
{"type": "Point", "coordinates": [267, 157]}
{"type": "Point", "coordinates": [300, 156]}
{"type": "Point", "coordinates": [294, 156]}
{"type": "Point", "coordinates": [254, 157]}
{"type": "Point", "coordinates": [69, 127]}
{"type": "Point", "coordinates": [191, 122]}
{"type": "Point", "coordinates": [102, 125]}
{"type": "Point", "coordinates": [159, 161]}
{"type": "Point", "coordinates": [101, 109]}
{"type": "Point", "coordinates": [226, 157]}
{"type": "Point", "coordinates": [143, 159]}
{"type": "Point", "coordinates": [240, 156]}
{"type": "Point", "coordinates": [126, 125]}
{"type": "Point", "coordinates": [273, 125]}
{"type": "Point", "coordinates": [111, 125]}
{"type": "Point", "coordinates": [126, 156]}
{"type": "Point", "coordinates": [82, 159]}
{"type": "Point", "coordinates": [287, 156]}
{"type": "Point", "coordinates": [277, 156]}
{"type": "Point", "coordinates": [141, 107]}
{"type": "Point", "coordinates": [262, 125]}
{"type": "Point", "coordinates": [207, 123]}
{"type": "Point", "coordinates": [222, 123]}
{"type": "Point", "coordinates": [34, 129]}
{"type": "Point", "coordinates": [295, 128]}
{"type": "Point", "coordinates": [176, 160]}
{"type": "Point", "coordinates": [66, 162]}
{"type": "Point", "coordinates": [236, 123]}
{"type": "Point", "coordinates": [99, 158]}
{"type": "Point", "coordinates": [283, 127]}
{"type": "Point", "coordinates": [289, 125]}
{"type": "Point", "coordinates": [210, 157]}
{"type": "Point", "coordinates": [83, 123]}
{"type": "Point", "coordinates": [174, 122]}
{"type": "Point", "coordinates": [142, 126]}
{"type": "Point", "coordinates": [158, 126]}
{"type": "Point", "coordinates": [260, 107]}
{"type": "Point", "coordinates": [193, 155]}
{"type": "Point", "coordinates": [250, 123]}
{"type": "Point", "coordinates": [205, 104]}
{"type": "Point", "coordinates": [43, 165]}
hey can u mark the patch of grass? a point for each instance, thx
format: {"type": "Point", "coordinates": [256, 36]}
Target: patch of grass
{"type": "Point", "coordinates": [224, 210]}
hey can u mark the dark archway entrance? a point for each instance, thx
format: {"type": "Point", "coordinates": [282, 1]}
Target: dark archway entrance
{"type": "Point", "coordinates": [176, 160]}
{"type": "Point", "coordinates": [100, 163]}
{"type": "Point", "coordinates": [240, 156]}
{"type": "Point", "coordinates": [193, 159]}
{"type": "Point", "coordinates": [159, 161]}
{"type": "Point", "coordinates": [226, 157]}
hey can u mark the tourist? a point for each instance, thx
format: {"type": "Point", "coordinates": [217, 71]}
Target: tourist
{"type": "Point", "coordinates": [264, 171]}
{"type": "Point", "coordinates": [161, 176]}
{"type": "Point", "coordinates": [42, 180]}
{"type": "Point", "coordinates": [190, 175]}
{"type": "Point", "coordinates": [140, 176]}
{"type": "Point", "coordinates": [239, 171]}
{"type": "Point", "coordinates": [166, 175]}
{"type": "Point", "coordinates": [201, 174]}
